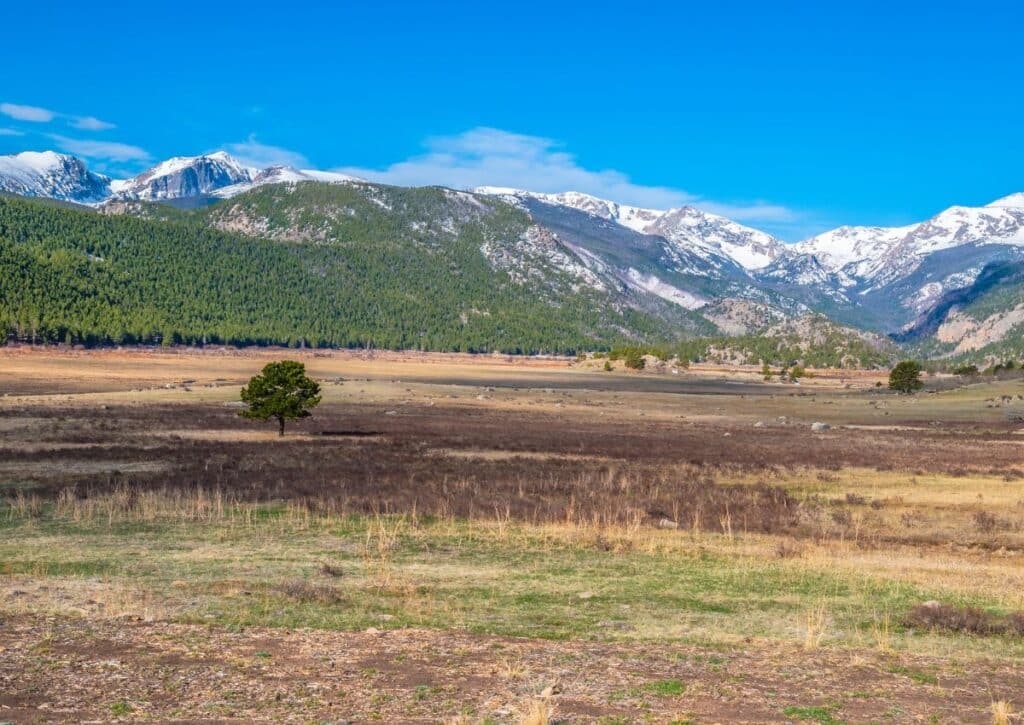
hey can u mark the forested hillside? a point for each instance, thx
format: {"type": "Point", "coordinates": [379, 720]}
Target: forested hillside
{"type": "Point", "coordinates": [69, 275]}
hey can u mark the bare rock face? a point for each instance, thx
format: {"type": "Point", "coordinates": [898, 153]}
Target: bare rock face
{"type": "Point", "coordinates": [971, 334]}
{"type": "Point", "coordinates": [185, 177]}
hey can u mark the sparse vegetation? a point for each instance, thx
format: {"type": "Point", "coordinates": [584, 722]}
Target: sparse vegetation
{"type": "Point", "coordinates": [513, 534]}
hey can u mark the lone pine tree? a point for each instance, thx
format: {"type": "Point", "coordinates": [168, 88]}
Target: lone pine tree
{"type": "Point", "coordinates": [281, 391]}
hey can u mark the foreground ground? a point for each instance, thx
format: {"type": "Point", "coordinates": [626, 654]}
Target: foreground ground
{"type": "Point", "coordinates": [457, 538]}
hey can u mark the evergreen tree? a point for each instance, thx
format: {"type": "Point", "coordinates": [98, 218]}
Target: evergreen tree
{"type": "Point", "coordinates": [906, 377]}
{"type": "Point", "coordinates": [282, 391]}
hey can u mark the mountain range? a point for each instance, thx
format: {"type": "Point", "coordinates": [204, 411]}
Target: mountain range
{"type": "Point", "coordinates": [684, 271]}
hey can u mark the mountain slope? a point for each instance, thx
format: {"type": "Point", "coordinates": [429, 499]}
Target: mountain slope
{"type": "Point", "coordinates": [348, 265]}
{"type": "Point", "coordinates": [982, 319]}
{"type": "Point", "coordinates": [711, 237]}
{"type": "Point", "coordinates": [683, 270]}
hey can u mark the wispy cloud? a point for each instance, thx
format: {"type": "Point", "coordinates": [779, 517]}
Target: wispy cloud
{"type": "Point", "coordinates": [36, 114]}
{"type": "Point", "coordinates": [107, 150]}
{"type": "Point", "coordinates": [493, 157]}
{"type": "Point", "coordinates": [27, 113]}
{"type": "Point", "coordinates": [11, 132]}
{"type": "Point", "coordinates": [253, 153]}
{"type": "Point", "coordinates": [91, 123]}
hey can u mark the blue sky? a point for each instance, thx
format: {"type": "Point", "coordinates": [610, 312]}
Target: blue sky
{"type": "Point", "coordinates": [794, 117]}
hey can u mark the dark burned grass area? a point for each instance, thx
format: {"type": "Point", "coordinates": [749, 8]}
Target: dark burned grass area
{"type": "Point", "coordinates": [598, 469]}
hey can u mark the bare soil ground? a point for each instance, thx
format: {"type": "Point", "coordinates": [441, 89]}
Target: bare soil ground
{"type": "Point", "coordinates": [59, 670]}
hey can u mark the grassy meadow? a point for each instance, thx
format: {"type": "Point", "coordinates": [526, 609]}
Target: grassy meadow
{"type": "Point", "coordinates": [475, 541]}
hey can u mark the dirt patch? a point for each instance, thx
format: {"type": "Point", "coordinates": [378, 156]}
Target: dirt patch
{"type": "Point", "coordinates": [500, 455]}
{"type": "Point", "coordinates": [70, 468]}
{"type": "Point", "coordinates": [56, 668]}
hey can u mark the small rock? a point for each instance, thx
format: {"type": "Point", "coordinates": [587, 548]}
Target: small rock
{"type": "Point", "coordinates": [612, 624]}
{"type": "Point", "coordinates": [759, 424]}
{"type": "Point", "coordinates": [818, 426]}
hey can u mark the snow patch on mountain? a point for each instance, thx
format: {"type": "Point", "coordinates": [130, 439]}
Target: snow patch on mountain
{"type": "Point", "coordinates": [929, 293]}
{"type": "Point", "coordinates": [711, 237]}
{"type": "Point", "coordinates": [631, 217]}
{"type": "Point", "coordinates": [536, 251]}
{"type": "Point", "coordinates": [717, 236]}
{"type": "Point", "coordinates": [651, 283]}
{"type": "Point", "coordinates": [284, 175]}
{"type": "Point", "coordinates": [1013, 201]}
{"type": "Point", "coordinates": [51, 175]}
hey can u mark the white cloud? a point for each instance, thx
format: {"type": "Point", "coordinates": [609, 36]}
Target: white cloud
{"type": "Point", "coordinates": [253, 153]}
{"type": "Point", "coordinates": [35, 114]}
{"type": "Point", "coordinates": [27, 113]}
{"type": "Point", "coordinates": [493, 157]}
{"type": "Point", "coordinates": [109, 150]}
{"type": "Point", "coordinates": [10, 132]}
{"type": "Point", "coordinates": [91, 123]}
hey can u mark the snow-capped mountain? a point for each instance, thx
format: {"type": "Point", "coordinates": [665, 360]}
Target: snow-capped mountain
{"type": "Point", "coordinates": [184, 176]}
{"type": "Point", "coordinates": [687, 227]}
{"type": "Point", "coordinates": [631, 217]}
{"type": "Point", "coordinates": [887, 277]}
{"type": "Point", "coordinates": [696, 229]}
{"type": "Point", "coordinates": [52, 175]}
{"type": "Point", "coordinates": [882, 278]}
{"type": "Point", "coordinates": [879, 255]}
{"type": "Point", "coordinates": [60, 176]}
{"type": "Point", "coordinates": [283, 175]}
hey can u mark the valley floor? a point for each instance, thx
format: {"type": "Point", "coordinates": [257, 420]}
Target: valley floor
{"type": "Point", "coordinates": [486, 539]}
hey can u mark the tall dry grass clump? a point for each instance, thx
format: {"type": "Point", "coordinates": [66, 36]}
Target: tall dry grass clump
{"type": "Point", "coordinates": [815, 627]}
{"type": "Point", "coordinates": [538, 712]}
{"type": "Point", "coordinates": [1002, 713]}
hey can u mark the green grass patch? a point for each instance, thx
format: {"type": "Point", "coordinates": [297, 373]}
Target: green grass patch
{"type": "Point", "coordinates": [454, 575]}
{"type": "Point", "coordinates": [814, 713]}
{"type": "Point", "coordinates": [665, 688]}
{"type": "Point", "coordinates": [918, 676]}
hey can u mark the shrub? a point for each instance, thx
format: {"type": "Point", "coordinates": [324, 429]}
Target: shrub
{"type": "Point", "coordinates": [970, 620]}
{"type": "Point", "coordinates": [634, 359]}
{"type": "Point", "coordinates": [906, 377]}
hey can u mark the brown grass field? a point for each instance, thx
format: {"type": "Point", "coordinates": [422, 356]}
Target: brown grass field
{"type": "Point", "coordinates": [454, 538]}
